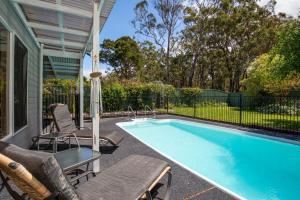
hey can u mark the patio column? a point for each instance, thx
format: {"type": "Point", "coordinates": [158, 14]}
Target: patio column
{"type": "Point", "coordinates": [81, 93]}
{"type": "Point", "coordinates": [95, 83]}
{"type": "Point", "coordinates": [41, 63]}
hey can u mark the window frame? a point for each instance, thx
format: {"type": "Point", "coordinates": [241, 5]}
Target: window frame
{"type": "Point", "coordinates": [10, 83]}
{"type": "Point", "coordinates": [9, 91]}
{"type": "Point", "coordinates": [13, 104]}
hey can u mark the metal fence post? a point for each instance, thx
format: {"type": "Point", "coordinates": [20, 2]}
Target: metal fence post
{"type": "Point", "coordinates": [136, 106]}
{"type": "Point", "coordinates": [241, 109]}
{"type": "Point", "coordinates": [77, 108]}
{"type": "Point", "coordinates": [167, 104]}
{"type": "Point", "coordinates": [194, 106]}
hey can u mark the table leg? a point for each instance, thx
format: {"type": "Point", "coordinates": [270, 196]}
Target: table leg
{"type": "Point", "coordinates": [38, 143]}
{"type": "Point", "coordinates": [87, 168]}
{"type": "Point", "coordinates": [69, 142]}
{"type": "Point", "coordinates": [54, 145]}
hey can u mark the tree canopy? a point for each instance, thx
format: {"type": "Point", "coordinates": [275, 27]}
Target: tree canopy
{"type": "Point", "coordinates": [123, 55]}
{"type": "Point", "coordinates": [230, 45]}
{"type": "Point", "coordinates": [278, 71]}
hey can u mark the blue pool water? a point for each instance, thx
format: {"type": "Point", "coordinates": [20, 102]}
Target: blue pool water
{"type": "Point", "coordinates": [245, 165]}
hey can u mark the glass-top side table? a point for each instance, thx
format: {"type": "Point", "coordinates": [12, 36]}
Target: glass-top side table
{"type": "Point", "coordinates": [72, 159]}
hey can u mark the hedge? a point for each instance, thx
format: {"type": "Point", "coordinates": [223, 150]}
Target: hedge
{"type": "Point", "coordinates": [137, 95]}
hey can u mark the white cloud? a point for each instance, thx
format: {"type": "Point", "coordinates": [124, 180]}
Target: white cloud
{"type": "Point", "coordinates": [290, 7]}
{"type": "Point", "coordinates": [187, 2]}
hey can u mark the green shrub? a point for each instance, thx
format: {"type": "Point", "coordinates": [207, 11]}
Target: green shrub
{"type": "Point", "coordinates": [113, 97]}
{"type": "Point", "coordinates": [189, 96]}
{"type": "Point", "coordinates": [133, 92]}
{"type": "Point", "coordinates": [279, 109]}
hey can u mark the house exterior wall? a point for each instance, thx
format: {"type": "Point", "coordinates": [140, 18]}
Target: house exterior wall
{"type": "Point", "coordinates": [11, 18]}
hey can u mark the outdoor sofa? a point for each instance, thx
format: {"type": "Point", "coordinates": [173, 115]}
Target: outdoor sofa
{"type": "Point", "coordinates": [39, 176]}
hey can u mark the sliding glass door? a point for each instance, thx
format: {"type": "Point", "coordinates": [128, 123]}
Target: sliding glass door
{"type": "Point", "coordinates": [4, 60]}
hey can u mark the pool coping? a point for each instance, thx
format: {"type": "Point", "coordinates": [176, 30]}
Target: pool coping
{"type": "Point", "coordinates": [243, 130]}
{"type": "Point", "coordinates": [248, 132]}
{"type": "Point", "coordinates": [260, 130]}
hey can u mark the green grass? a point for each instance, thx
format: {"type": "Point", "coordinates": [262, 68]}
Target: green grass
{"type": "Point", "coordinates": [232, 115]}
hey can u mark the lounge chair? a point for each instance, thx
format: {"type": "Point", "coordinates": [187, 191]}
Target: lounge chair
{"type": "Point", "coordinates": [39, 176]}
{"type": "Point", "coordinates": [64, 124]}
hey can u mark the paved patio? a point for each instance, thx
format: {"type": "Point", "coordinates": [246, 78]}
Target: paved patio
{"type": "Point", "coordinates": [185, 185]}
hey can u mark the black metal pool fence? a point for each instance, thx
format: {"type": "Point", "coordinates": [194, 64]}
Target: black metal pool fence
{"type": "Point", "coordinates": [273, 113]}
{"type": "Point", "coordinates": [267, 112]}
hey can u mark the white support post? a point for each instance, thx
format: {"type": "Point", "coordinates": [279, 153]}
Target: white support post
{"type": "Point", "coordinates": [41, 63]}
{"type": "Point", "coordinates": [81, 94]}
{"type": "Point", "coordinates": [10, 88]}
{"type": "Point", "coordinates": [95, 83]}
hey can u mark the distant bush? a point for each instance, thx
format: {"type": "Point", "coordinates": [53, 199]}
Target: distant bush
{"type": "Point", "coordinates": [113, 97]}
{"type": "Point", "coordinates": [189, 96]}
{"type": "Point", "coordinates": [212, 103]}
{"type": "Point", "coordinates": [279, 109]}
{"type": "Point", "coordinates": [117, 96]}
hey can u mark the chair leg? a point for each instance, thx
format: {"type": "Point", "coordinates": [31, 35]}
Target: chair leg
{"type": "Point", "coordinates": [3, 184]}
{"type": "Point", "coordinates": [69, 142]}
{"type": "Point", "coordinates": [38, 143]}
{"type": "Point", "coordinates": [87, 168]}
{"type": "Point", "coordinates": [167, 195]}
{"type": "Point", "coordinates": [55, 145]}
{"type": "Point", "coordinates": [34, 142]}
{"type": "Point", "coordinates": [148, 195]}
{"type": "Point", "coordinates": [77, 173]}
{"type": "Point", "coordinates": [13, 193]}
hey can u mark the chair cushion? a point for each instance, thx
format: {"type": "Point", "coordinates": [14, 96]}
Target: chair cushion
{"type": "Point", "coordinates": [44, 167]}
{"type": "Point", "coordinates": [126, 180]}
{"type": "Point", "coordinates": [113, 137]}
{"type": "Point", "coordinates": [62, 118]}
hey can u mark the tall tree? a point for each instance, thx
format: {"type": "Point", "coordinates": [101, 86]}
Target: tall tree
{"type": "Point", "coordinates": [159, 24]}
{"type": "Point", "coordinates": [194, 38]}
{"type": "Point", "coordinates": [228, 35]}
{"type": "Point", "coordinates": [123, 55]}
{"type": "Point", "coordinates": [152, 69]}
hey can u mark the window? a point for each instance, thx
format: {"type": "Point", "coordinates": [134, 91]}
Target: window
{"type": "Point", "coordinates": [20, 85]}
{"type": "Point", "coordinates": [4, 52]}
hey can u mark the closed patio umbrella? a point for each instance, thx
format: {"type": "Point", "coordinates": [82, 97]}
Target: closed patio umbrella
{"type": "Point", "coordinates": [96, 101]}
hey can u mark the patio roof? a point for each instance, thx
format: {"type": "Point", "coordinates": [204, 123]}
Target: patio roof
{"type": "Point", "coordinates": [65, 27]}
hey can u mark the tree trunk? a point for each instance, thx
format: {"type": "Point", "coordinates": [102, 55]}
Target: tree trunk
{"type": "Point", "coordinates": [231, 84]}
{"type": "Point", "coordinates": [168, 59]}
{"type": "Point", "coordinates": [201, 77]}
{"type": "Point", "coordinates": [192, 73]}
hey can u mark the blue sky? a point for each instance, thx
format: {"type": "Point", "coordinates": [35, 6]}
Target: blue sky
{"type": "Point", "coordinates": [119, 23]}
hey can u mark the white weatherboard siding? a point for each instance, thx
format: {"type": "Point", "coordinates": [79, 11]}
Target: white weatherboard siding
{"type": "Point", "coordinates": [10, 17]}
{"type": "Point", "coordinates": [65, 29]}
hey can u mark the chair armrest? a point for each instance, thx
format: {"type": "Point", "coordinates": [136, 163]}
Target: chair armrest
{"type": "Point", "coordinates": [68, 134]}
{"type": "Point", "coordinates": [62, 134]}
{"type": "Point", "coordinates": [83, 127]}
{"type": "Point", "coordinates": [59, 135]}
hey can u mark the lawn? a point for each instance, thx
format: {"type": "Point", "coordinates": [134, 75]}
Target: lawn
{"type": "Point", "coordinates": [232, 115]}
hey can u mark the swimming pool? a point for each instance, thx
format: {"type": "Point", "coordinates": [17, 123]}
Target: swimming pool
{"type": "Point", "coordinates": [241, 163]}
